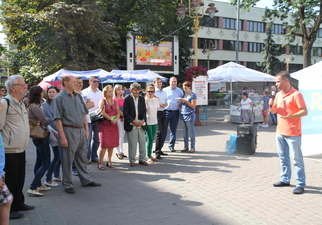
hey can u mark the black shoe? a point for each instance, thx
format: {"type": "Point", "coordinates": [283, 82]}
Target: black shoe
{"type": "Point", "coordinates": [26, 207]}
{"type": "Point", "coordinates": [158, 157]}
{"type": "Point", "coordinates": [185, 150]}
{"type": "Point", "coordinates": [162, 153]}
{"type": "Point", "coordinates": [154, 151]}
{"type": "Point", "coordinates": [70, 191]}
{"type": "Point", "coordinates": [281, 184]}
{"type": "Point", "coordinates": [298, 191]}
{"type": "Point", "coordinates": [93, 184]}
{"type": "Point", "coordinates": [15, 215]}
{"type": "Point", "coordinates": [172, 149]}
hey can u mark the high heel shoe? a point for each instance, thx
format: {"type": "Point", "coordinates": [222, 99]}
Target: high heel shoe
{"type": "Point", "coordinates": [109, 164]}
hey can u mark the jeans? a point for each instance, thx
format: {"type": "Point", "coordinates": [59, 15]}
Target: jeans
{"type": "Point", "coordinates": [54, 165]}
{"type": "Point", "coordinates": [273, 117]}
{"type": "Point", "coordinates": [150, 134]}
{"type": "Point", "coordinates": [189, 129]}
{"type": "Point", "coordinates": [173, 119]}
{"type": "Point", "coordinates": [287, 145]}
{"type": "Point", "coordinates": [42, 161]}
{"type": "Point", "coordinates": [95, 141]}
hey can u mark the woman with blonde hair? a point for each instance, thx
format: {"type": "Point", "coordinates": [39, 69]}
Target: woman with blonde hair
{"type": "Point", "coordinates": [108, 130]}
{"type": "Point", "coordinates": [152, 104]}
{"type": "Point", "coordinates": [117, 93]}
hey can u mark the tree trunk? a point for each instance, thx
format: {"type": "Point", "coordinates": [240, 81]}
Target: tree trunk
{"type": "Point", "coordinates": [307, 48]}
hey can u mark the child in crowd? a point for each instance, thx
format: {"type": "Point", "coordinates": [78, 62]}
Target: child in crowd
{"type": "Point", "coordinates": [265, 109]}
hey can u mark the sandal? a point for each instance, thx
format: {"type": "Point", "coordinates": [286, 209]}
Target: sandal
{"type": "Point", "coordinates": [192, 150]}
{"type": "Point", "coordinates": [100, 167]}
{"type": "Point", "coordinates": [120, 156]}
{"type": "Point", "coordinates": [153, 159]}
{"type": "Point", "coordinates": [109, 164]}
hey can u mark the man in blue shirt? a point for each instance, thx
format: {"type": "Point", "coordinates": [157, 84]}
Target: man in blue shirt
{"type": "Point", "coordinates": [172, 111]}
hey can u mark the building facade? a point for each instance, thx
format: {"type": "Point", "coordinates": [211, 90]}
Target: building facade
{"type": "Point", "coordinates": [221, 31]}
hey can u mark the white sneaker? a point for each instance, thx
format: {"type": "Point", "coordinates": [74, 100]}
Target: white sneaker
{"type": "Point", "coordinates": [52, 184]}
{"type": "Point", "coordinates": [266, 125]}
{"type": "Point", "coordinates": [262, 124]}
{"type": "Point", "coordinates": [34, 192]}
{"type": "Point", "coordinates": [43, 188]}
{"type": "Point", "coordinates": [57, 179]}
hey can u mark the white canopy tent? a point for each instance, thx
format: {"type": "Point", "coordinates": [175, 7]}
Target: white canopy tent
{"type": "Point", "coordinates": [310, 80]}
{"type": "Point", "coordinates": [232, 72]}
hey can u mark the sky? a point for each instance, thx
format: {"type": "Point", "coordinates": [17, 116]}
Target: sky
{"type": "Point", "coordinates": [261, 4]}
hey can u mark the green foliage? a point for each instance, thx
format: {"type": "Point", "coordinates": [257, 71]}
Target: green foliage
{"type": "Point", "coordinates": [304, 14]}
{"type": "Point", "coordinates": [86, 34]}
{"type": "Point", "coordinates": [270, 61]}
{"type": "Point", "coordinates": [60, 35]}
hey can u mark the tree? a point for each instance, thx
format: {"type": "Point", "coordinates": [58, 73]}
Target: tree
{"type": "Point", "coordinates": [271, 63]}
{"type": "Point", "coordinates": [305, 16]}
{"type": "Point", "coordinates": [69, 34]}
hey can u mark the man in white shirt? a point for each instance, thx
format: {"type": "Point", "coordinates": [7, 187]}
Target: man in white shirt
{"type": "Point", "coordinates": [93, 93]}
{"type": "Point", "coordinates": [161, 116]}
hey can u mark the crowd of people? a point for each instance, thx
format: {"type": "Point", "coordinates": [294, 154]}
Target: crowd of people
{"type": "Point", "coordinates": [81, 142]}
{"type": "Point", "coordinates": [140, 118]}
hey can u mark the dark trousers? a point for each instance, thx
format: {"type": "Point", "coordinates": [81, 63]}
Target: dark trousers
{"type": "Point", "coordinates": [15, 169]}
{"type": "Point", "coordinates": [160, 131]}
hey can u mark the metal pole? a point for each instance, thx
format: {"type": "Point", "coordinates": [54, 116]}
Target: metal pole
{"type": "Point", "coordinates": [196, 30]}
{"type": "Point", "coordinates": [237, 30]}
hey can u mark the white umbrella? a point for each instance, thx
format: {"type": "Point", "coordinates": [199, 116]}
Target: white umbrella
{"type": "Point", "coordinates": [233, 72]}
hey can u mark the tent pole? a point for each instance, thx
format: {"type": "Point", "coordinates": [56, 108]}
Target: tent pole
{"type": "Point", "coordinates": [231, 92]}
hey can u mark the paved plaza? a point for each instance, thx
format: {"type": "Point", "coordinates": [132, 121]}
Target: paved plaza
{"type": "Point", "coordinates": [207, 187]}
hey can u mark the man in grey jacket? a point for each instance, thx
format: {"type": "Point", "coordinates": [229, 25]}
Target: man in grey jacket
{"type": "Point", "coordinates": [15, 133]}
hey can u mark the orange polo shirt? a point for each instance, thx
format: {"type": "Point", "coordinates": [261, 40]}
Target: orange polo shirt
{"type": "Point", "coordinates": [292, 102]}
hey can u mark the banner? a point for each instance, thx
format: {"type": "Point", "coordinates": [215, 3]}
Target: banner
{"type": "Point", "coordinates": [200, 88]}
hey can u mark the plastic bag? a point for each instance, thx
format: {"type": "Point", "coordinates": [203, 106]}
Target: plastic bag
{"type": "Point", "coordinates": [53, 136]}
{"type": "Point", "coordinates": [231, 144]}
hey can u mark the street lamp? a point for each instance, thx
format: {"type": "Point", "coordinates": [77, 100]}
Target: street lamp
{"type": "Point", "coordinates": [316, 58]}
{"type": "Point", "coordinates": [196, 11]}
{"type": "Point", "coordinates": [208, 48]}
{"type": "Point", "coordinates": [287, 58]}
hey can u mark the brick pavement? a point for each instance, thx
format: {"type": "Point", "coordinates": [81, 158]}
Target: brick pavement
{"type": "Point", "coordinates": [208, 187]}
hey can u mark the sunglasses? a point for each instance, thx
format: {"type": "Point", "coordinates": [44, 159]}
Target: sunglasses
{"type": "Point", "coordinates": [95, 81]}
{"type": "Point", "coordinates": [151, 91]}
{"type": "Point", "coordinates": [52, 86]}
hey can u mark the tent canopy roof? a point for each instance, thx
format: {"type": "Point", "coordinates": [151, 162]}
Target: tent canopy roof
{"type": "Point", "coordinates": [233, 72]}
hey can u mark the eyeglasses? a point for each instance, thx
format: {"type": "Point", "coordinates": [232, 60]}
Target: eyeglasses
{"type": "Point", "coordinates": [151, 91]}
{"type": "Point", "coordinates": [95, 81]}
{"type": "Point", "coordinates": [52, 86]}
{"type": "Point", "coordinates": [20, 84]}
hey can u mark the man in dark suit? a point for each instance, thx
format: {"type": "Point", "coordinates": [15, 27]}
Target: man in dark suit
{"type": "Point", "coordinates": [134, 111]}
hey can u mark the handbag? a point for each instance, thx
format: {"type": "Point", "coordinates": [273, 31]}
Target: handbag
{"type": "Point", "coordinates": [96, 116]}
{"type": "Point", "coordinates": [37, 130]}
{"type": "Point", "coordinates": [264, 113]}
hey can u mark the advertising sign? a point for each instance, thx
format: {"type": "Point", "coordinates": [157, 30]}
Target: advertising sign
{"type": "Point", "coordinates": [200, 88]}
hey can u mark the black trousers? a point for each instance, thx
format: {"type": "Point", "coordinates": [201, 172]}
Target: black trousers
{"type": "Point", "coordinates": [160, 132]}
{"type": "Point", "coordinates": [15, 169]}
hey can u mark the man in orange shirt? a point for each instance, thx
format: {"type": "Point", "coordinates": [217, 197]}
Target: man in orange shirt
{"type": "Point", "coordinates": [290, 107]}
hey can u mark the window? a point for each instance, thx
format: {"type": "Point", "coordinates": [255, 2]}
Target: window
{"type": "Point", "coordinates": [255, 26]}
{"type": "Point", "coordinates": [255, 47]}
{"type": "Point", "coordinates": [206, 21]}
{"type": "Point", "coordinates": [278, 29]}
{"type": "Point", "coordinates": [297, 50]}
{"type": "Point", "coordinates": [281, 50]}
{"type": "Point", "coordinates": [231, 24]}
{"type": "Point", "coordinates": [254, 66]}
{"type": "Point", "coordinates": [316, 51]}
{"type": "Point", "coordinates": [319, 34]}
{"type": "Point", "coordinates": [203, 41]}
{"type": "Point", "coordinates": [212, 63]}
{"type": "Point", "coordinates": [231, 45]}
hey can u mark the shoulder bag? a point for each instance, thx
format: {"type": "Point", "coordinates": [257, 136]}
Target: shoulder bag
{"type": "Point", "coordinates": [96, 116]}
{"type": "Point", "coordinates": [37, 130]}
